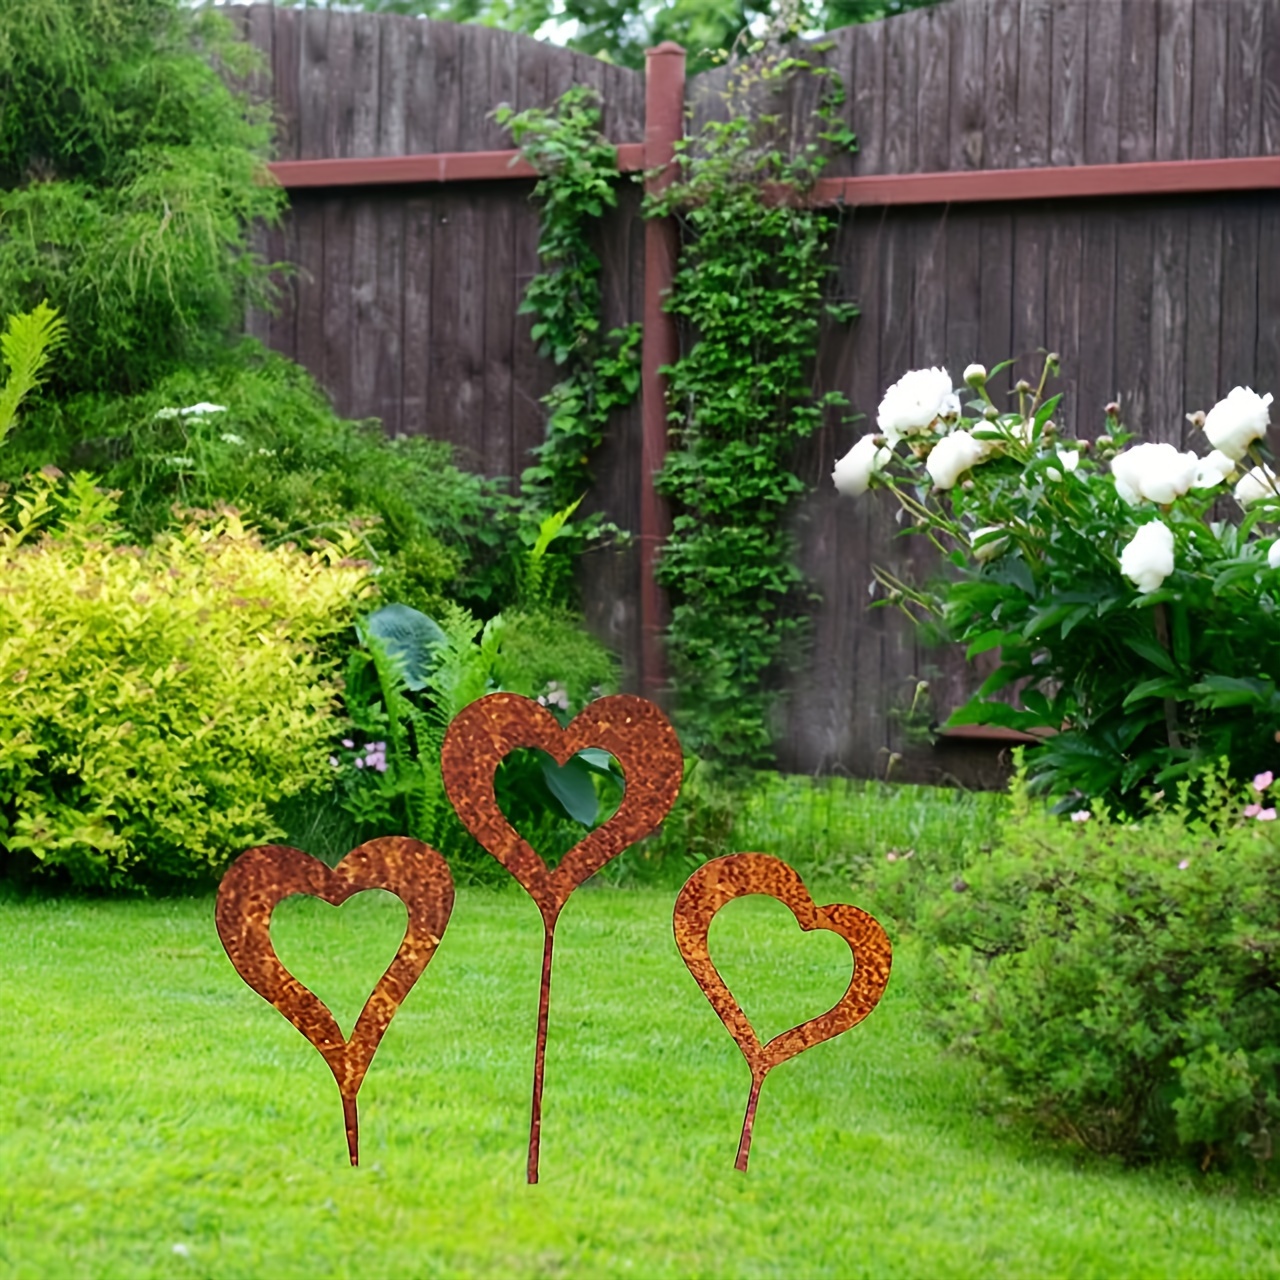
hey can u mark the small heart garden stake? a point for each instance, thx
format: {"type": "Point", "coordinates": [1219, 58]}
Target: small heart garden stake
{"type": "Point", "coordinates": [634, 732]}
{"type": "Point", "coordinates": [263, 877]}
{"type": "Point", "coordinates": [735, 876]}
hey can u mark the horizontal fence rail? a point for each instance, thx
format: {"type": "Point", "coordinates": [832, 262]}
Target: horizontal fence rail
{"type": "Point", "coordinates": [968, 186]}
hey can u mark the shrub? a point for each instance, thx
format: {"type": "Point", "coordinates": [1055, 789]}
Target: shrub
{"type": "Point", "coordinates": [130, 178]}
{"type": "Point", "coordinates": [158, 701]}
{"type": "Point", "coordinates": [1122, 979]}
{"type": "Point", "coordinates": [270, 443]}
{"type": "Point", "coordinates": [1135, 622]}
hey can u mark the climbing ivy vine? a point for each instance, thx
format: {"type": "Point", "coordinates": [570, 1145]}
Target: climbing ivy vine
{"type": "Point", "coordinates": [749, 290]}
{"type": "Point", "coordinates": [578, 171]}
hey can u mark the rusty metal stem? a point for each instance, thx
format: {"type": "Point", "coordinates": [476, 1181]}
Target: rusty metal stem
{"type": "Point", "coordinates": [540, 1053]}
{"type": "Point", "coordinates": [352, 1121]}
{"type": "Point", "coordinates": [748, 1122]}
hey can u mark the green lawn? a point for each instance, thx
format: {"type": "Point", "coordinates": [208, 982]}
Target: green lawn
{"type": "Point", "coordinates": [158, 1118]}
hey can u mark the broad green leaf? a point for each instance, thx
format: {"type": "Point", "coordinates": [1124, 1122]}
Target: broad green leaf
{"type": "Point", "coordinates": [409, 638]}
{"type": "Point", "coordinates": [1151, 652]}
{"type": "Point", "coordinates": [1160, 687]}
{"type": "Point", "coordinates": [571, 784]}
{"type": "Point", "coordinates": [986, 641]}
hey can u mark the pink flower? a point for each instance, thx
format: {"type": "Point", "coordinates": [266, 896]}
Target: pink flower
{"type": "Point", "coordinates": [1184, 864]}
{"type": "Point", "coordinates": [1252, 810]}
{"type": "Point", "coordinates": [891, 856]}
{"type": "Point", "coordinates": [1081, 815]}
{"type": "Point", "coordinates": [1263, 781]}
{"type": "Point", "coordinates": [1267, 815]}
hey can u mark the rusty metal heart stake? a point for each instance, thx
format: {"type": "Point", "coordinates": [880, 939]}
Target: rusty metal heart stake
{"type": "Point", "coordinates": [740, 874]}
{"type": "Point", "coordinates": [263, 877]}
{"type": "Point", "coordinates": [633, 731]}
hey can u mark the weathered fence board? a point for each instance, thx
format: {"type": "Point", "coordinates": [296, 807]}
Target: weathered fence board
{"type": "Point", "coordinates": [404, 301]}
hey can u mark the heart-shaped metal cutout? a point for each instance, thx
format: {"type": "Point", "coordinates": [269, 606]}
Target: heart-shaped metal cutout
{"type": "Point", "coordinates": [640, 739]}
{"type": "Point", "coordinates": [735, 876]}
{"type": "Point", "coordinates": [263, 877]}
{"type": "Point", "coordinates": [632, 730]}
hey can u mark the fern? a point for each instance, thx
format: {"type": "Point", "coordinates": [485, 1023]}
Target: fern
{"type": "Point", "coordinates": [25, 347]}
{"type": "Point", "coordinates": [532, 593]}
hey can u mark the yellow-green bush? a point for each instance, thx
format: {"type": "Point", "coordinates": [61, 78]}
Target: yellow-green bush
{"type": "Point", "coordinates": [156, 702]}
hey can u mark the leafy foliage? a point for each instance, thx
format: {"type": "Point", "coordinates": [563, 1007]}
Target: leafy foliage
{"type": "Point", "coordinates": [748, 289]}
{"type": "Point", "coordinates": [578, 171]}
{"type": "Point", "coordinates": [413, 674]}
{"type": "Point", "coordinates": [1133, 690]}
{"type": "Point", "coordinates": [130, 177]}
{"type": "Point", "coordinates": [1122, 980]}
{"type": "Point", "coordinates": [269, 443]}
{"type": "Point", "coordinates": [25, 347]}
{"type": "Point", "coordinates": [159, 701]}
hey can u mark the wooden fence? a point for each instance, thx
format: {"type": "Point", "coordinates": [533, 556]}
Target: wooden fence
{"type": "Point", "coordinates": [1164, 292]}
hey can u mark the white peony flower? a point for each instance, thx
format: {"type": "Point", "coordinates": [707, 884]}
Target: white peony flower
{"type": "Point", "coordinates": [1148, 559]}
{"type": "Point", "coordinates": [975, 375]}
{"type": "Point", "coordinates": [1233, 424]}
{"type": "Point", "coordinates": [1070, 460]}
{"type": "Point", "coordinates": [952, 456]}
{"type": "Point", "coordinates": [853, 472]}
{"type": "Point", "coordinates": [1273, 556]}
{"type": "Point", "coordinates": [1258, 483]}
{"type": "Point", "coordinates": [1156, 472]}
{"type": "Point", "coordinates": [989, 549]}
{"type": "Point", "coordinates": [950, 407]}
{"type": "Point", "coordinates": [1213, 470]}
{"type": "Point", "coordinates": [913, 403]}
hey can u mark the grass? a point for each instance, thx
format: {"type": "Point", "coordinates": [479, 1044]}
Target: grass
{"type": "Point", "coordinates": [159, 1119]}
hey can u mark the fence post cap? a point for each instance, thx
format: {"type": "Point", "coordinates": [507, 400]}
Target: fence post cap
{"type": "Point", "coordinates": [667, 49]}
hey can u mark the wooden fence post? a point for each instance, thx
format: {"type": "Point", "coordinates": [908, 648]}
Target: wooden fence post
{"type": "Point", "coordinates": [663, 126]}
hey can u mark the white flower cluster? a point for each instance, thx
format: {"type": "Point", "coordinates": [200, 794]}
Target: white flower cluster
{"type": "Point", "coordinates": [922, 408]}
{"type": "Point", "coordinates": [191, 411]}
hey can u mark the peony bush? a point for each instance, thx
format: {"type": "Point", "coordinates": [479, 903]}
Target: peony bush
{"type": "Point", "coordinates": [1129, 590]}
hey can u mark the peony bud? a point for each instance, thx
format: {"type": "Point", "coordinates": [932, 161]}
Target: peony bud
{"type": "Point", "coordinates": [1023, 386]}
{"type": "Point", "coordinates": [975, 375]}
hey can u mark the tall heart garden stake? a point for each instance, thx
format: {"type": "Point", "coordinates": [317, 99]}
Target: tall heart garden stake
{"type": "Point", "coordinates": [263, 877]}
{"type": "Point", "coordinates": [735, 876]}
{"type": "Point", "coordinates": [634, 732]}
